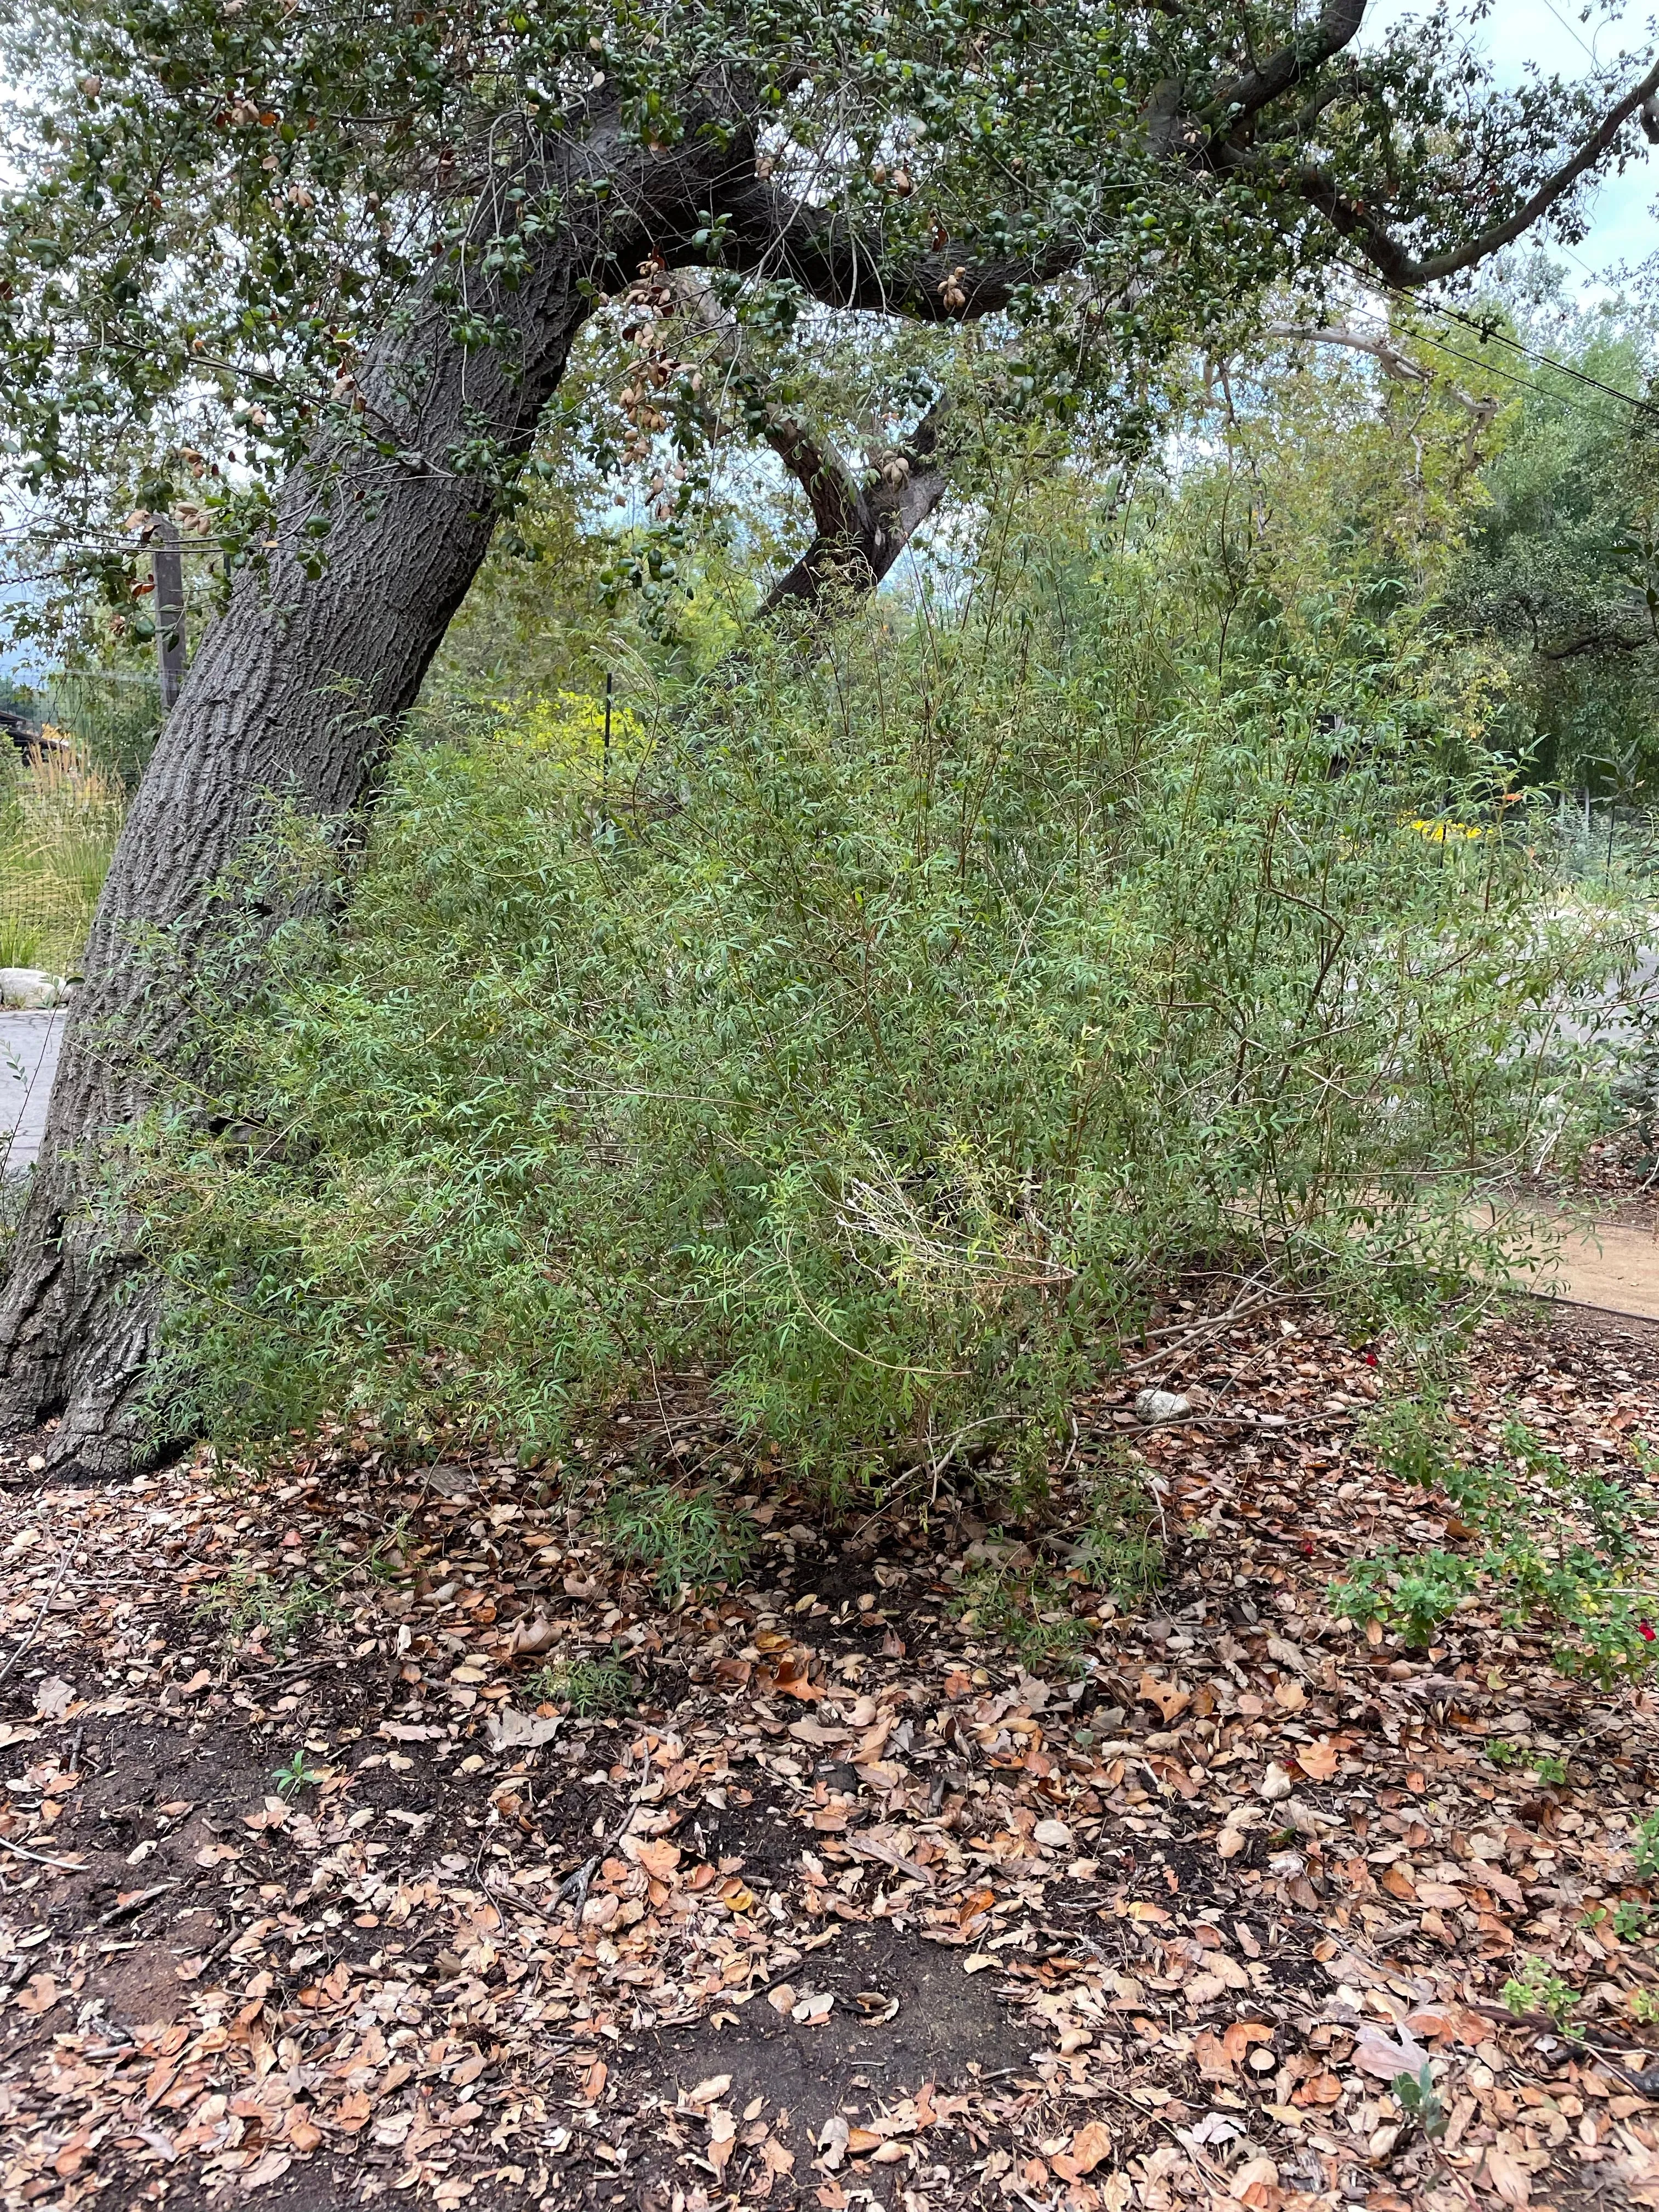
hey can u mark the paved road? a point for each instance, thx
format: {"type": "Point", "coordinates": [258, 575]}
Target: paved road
{"type": "Point", "coordinates": [29, 1060]}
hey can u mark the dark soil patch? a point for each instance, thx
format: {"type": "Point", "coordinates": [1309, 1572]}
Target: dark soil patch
{"type": "Point", "coordinates": [444, 1970]}
{"type": "Point", "coordinates": [947, 2028]}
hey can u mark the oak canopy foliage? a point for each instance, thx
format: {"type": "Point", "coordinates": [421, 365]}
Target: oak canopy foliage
{"type": "Point", "coordinates": [223, 210]}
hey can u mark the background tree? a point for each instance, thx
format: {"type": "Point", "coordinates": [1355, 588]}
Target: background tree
{"type": "Point", "coordinates": [1560, 572]}
{"type": "Point", "coordinates": [312, 278]}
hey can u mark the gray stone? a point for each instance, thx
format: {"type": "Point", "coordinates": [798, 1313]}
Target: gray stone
{"type": "Point", "coordinates": [32, 989]}
{"type": "Point", "coordinates": [29, 1060]}
{"type": "Point", "coordinates": [1153, 1407]}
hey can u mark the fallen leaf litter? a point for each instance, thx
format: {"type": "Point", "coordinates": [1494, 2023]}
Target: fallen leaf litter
{"type": "Point", "coordinates": [851, 1908]}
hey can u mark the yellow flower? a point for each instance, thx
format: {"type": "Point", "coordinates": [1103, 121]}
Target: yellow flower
{"type": "Point", "coordinates": [571, 726]}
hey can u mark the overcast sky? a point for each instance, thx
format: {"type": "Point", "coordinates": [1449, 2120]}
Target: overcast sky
{"type": "Point", "coordinates": [1549, 32]}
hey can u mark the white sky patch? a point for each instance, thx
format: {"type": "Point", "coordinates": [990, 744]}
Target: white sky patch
{"type": "Point", "coordinates": [1547, 35]}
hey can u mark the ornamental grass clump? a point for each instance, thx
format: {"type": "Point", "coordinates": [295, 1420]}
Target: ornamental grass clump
{"type": "Point", "coordinates": [60, 815]}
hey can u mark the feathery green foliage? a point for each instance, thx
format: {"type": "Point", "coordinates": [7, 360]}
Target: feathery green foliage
{"type": "Point", "coordinates": [873, 1036]}
{"type": "Point", "coordinates": [684, 1538]}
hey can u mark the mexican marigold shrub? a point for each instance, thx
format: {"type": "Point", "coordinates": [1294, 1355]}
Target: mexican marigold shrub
{"type": "Point", "coordinates": [872, 1041]}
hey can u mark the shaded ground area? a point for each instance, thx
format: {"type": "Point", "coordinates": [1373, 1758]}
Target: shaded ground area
{"type": "Point", "coordinates": [853, 1905]}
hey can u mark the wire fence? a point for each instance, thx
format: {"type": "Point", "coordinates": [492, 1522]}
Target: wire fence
{"type": "Point", "coordinates": [113, 718]}
{"type": "Point", "coordinates": [68, 772]}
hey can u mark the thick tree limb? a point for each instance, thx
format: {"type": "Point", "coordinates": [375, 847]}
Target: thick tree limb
{"type": "Point", "coordinates": [813, 462]}
{"type": "Point", "coordinates": [1336, 30]}
{"type": "Point", "coordinates": [845, 264]}
{"type": "Point", "coordinates": [1603, 640]}
{"type": "Point", "coordinates": [911, 481]}
{"type": "Point", "coordinates": [1401, 368]}
{"type": "Point", "coordinates": [1395, 261]}
{"type": "Point", "coordinates": [862, 526]}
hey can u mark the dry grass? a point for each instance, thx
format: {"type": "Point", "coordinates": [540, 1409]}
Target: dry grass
{"type": "Point", "coordinates": [60, 816]}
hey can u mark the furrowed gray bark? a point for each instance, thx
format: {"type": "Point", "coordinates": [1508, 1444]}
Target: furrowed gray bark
{"type": "Point", "coordinates": [290, 700]}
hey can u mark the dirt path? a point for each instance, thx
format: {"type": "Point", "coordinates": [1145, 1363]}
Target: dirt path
{"type": "Point", "coordinates": [1613, 1265]}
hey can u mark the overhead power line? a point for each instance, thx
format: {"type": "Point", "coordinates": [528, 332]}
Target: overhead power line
{"type": "Point", "coordinates": [1488, 336]}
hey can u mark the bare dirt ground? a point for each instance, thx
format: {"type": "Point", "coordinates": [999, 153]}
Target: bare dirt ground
{"type": "Point", "coordinates": [850, 1907]}
{"type": "Point", "coordinates": [1611, 1264]}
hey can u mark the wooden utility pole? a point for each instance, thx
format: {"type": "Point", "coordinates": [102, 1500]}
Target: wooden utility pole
{"type": "Point", "coordinates": [167, 568]}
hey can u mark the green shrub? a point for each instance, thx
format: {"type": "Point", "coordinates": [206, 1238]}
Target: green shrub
{"type": "Point", "coordinates": [246, 1600]}
{"type": "Point", "coordinates": [1412, 1593]}
{"type": "Point", "coordinates": [1421, 2102]}
{"type": "Point", "coordinates": [1538, 1988]}
{"type": "Point", "coordinates": [1536, 1562]}
{"type": "Point", "coordinates": [1608, 1506]}
{"type": "Point", "coordinates": [249, 1598]}
{"type": "Point", "coordinates": [684, 1539]}
{"type": "Point", "coordinates": [1021, 1605]}
{"type": "Point", "coordinates": [1122, 1550]}
{"type": "Point", "coordinates": [588, 1689]}
{"type": "Point", "coordinates": [1413, 1440]}
{"type": "Point", "coordinates": [297, 1774]}
{"type": "Point", "coordinates": [876, 1042]}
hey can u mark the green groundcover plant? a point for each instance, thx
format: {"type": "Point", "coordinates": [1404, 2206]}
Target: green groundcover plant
{"type": "Point", "coordinates": [1562, 1544]}
{"type": "Point", "coordinates": [874, 1036]}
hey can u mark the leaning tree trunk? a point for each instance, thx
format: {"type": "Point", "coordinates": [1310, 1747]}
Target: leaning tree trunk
{"type": "Point", "coordinates": [289, 701]}
{"type": "Point", "coordinates": [297, 687]}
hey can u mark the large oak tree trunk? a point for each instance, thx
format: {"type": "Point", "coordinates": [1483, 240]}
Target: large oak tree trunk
{"type": "Point", "coordinates": [291, 699]}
